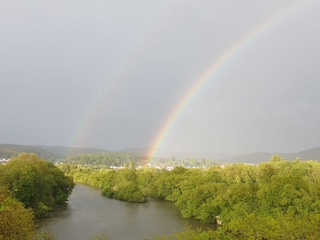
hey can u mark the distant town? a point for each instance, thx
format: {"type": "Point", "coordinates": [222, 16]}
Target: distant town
{"type": "Point", "coordinates": [4, 160]}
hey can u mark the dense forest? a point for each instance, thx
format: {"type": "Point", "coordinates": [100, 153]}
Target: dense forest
{"type": "Point", "coordinates": [30, 188]}
{"type": "Point", "coordinates": [278, 199]}
{"type": "Point", "coordinates": [119, 159]}
{"type": "Point", "coordinates": [106, 159]}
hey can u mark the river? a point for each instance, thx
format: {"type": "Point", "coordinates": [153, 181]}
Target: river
{"type": "Point", "coordinates": [88, 213]}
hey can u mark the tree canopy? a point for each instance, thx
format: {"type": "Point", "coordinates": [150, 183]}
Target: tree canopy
{"type": "Point", "coordinates": [278, 199]}
{"type": "Point", "coordinates": [17, 222]}
{"type": "Point", "coordinates": [36, 183]}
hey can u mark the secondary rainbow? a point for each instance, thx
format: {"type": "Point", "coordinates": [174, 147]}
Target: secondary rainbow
{"type": "Point", "coordinates": [107, 90]}
{"type": "Point", "coordinates": [209, 73]}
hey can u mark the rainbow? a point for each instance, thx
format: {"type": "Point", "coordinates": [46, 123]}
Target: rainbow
{"type": "Point", "coordinates": [209, 73]}
{"type": "Point", "coordinates": [107, 90]}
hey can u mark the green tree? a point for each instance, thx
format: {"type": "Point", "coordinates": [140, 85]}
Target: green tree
{"type": "Point", "coordinates": [16, 222]}
{"type": "Point", "coordinates": [36, 183]}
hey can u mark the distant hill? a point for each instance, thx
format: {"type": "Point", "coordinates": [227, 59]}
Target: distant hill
{"type": "Point", "coordinates": [256, 157]}
{"type": "Point", "coordinates": [12, 150]}
{"type": "Point", "coordinates": [50, 153]}
{"type": "Point", "coordinates": [67, 151]}
{"type": "Point", "coordinates": [53, 153]}
{"type": "Point", "coordinates": [310, 154]}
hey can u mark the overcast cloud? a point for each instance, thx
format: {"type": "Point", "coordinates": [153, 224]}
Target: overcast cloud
{"type": "Point", "coordinates": [107, 74]}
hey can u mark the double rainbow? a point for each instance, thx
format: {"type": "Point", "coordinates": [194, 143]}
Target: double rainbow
{"type": "Point", "coordinates": [91, 116]}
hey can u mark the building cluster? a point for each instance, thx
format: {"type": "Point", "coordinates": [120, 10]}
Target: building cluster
{"type": "Point", "coordinates": [4, 160]}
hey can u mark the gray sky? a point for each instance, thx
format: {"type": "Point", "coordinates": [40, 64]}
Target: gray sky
{"type": "Point", "coordinates": [108, 74]}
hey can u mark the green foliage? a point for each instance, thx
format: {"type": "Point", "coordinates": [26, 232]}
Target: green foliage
{"type": "Point", "coordinates": [164, 162]}
{"type": "Point", "coordinates": [261, 226]}
{"type": "Point", "coordinates": [120, 159]}
{"type": "Point", "coordinates": [16, 222]}
{"type": "Point", "coordinates": [107, 159]}
{"type": "Point", "coordinates": [125, 186]}
{"type": "Point", "coordinates": [36, 183]}
{"type": "Point", "coordinates": [187, 234]}
{"type": "Point", "coordinates": [275, 200]}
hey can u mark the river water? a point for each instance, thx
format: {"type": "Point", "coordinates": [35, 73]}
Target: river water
{"type": "Point", "coordinates": [88, 213]}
